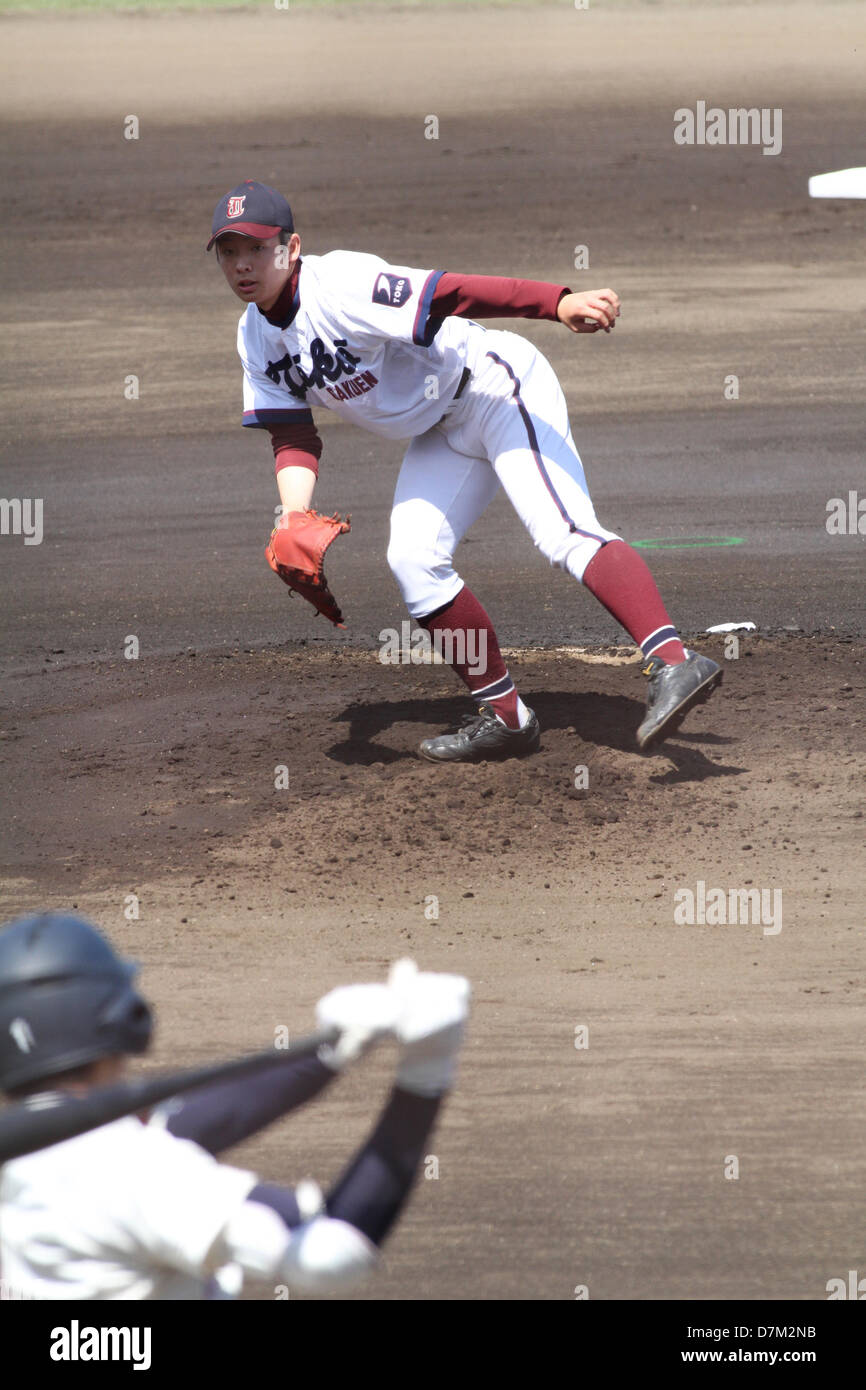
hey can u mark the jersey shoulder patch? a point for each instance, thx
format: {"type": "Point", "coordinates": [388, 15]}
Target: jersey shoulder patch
{"type": "Point", "coordinates": [392, 290]}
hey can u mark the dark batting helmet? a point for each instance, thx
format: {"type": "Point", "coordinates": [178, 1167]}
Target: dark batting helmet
{"type": "Point", "coordinates": [66, 999]}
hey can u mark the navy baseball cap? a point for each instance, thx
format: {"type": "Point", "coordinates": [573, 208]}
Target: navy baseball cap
{"type": "Point", "coordinates": [252, 209]}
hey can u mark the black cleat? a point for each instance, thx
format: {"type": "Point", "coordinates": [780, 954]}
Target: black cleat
{"type": "Point", "coordinates": [673, 691]}
{"type": "Point", "coordinates": [483, 736]}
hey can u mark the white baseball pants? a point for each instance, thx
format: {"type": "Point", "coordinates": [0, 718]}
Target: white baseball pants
{"type": "Point", "coordinates": [509, 428]}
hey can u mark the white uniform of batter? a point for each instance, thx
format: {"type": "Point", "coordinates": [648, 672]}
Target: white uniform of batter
{"type": "Point", "coordinates": [380, 361]}
{"type": "Point", "coordinates": [130, 1211]}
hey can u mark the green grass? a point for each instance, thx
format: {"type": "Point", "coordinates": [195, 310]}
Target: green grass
{"type": "Point", "coordinates": [149, 6]}
{"type": "Point", "coordinates": [153, 6]}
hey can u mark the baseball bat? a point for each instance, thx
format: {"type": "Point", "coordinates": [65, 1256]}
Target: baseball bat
{"type": "Point", "coordinates": [24, 1129]}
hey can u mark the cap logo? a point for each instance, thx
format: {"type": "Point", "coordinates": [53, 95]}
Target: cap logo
{"type": "Point", "coordinates": [235, 206]}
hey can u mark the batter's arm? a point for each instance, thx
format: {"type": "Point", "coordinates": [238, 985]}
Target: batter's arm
{"type": "Point", "coordinates": [323, 1246]}
{"type": "Point", "coordinates": [219, 1116]}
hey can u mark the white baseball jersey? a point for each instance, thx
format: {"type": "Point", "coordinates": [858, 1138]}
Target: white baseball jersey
{"type": "Point", "coordinates": [359, 339]}
{"type": "Point", "coordinates": [127, 1211]}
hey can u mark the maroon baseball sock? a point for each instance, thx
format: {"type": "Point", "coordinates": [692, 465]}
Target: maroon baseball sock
{"type": "Point", "coordinates": [463, 633]}
{"type": "Point", "coordinates": [621, 580]}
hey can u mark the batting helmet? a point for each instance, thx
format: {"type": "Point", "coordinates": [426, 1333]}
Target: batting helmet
{"type": "Point", "coordinates": [66, 999]}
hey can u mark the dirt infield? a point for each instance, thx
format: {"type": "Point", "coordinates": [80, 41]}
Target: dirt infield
{"type": "Point", "coordinates": [559, 1165]}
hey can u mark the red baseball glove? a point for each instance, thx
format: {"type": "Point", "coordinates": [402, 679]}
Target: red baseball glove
{"type": "Point", "coordinates": [296, 552]}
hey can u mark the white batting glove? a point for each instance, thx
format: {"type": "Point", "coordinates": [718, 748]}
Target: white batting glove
{"type": "Point", "coordinates": [432, 1015]}
{"type": "Point", "coordinates": [364, 1014]}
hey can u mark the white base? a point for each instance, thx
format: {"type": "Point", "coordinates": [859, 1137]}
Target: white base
{"type": "Point", "coordinates": [844, 183]}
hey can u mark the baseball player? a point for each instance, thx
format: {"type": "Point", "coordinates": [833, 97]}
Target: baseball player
{"type": "Point", "coordinates": [140, 1208]}
{"type": "Point", "coordinates": [397, 351]}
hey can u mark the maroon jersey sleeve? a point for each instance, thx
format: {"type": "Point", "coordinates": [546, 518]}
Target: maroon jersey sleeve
{"type": "Point", "coordinates": [495, 297]}
{"type": "Point", "coordinates": [296, 446]}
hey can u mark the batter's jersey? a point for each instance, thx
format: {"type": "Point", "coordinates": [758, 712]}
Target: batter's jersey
{"type": "Point", "coordinates": [359, 338]}
{"type": "Point", "coordinates": [123, 1212]}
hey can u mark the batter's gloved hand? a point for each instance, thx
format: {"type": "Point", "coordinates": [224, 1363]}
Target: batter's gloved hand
{"type": "Point", "coordinates": [296, 552]}
{"type": "Point", "coordinates": [364, 1014]}
{"type": "Point", "coordinates": [432, 1016]}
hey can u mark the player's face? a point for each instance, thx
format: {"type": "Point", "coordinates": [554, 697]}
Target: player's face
{"type": "Point", "coordinates": [257, 270]}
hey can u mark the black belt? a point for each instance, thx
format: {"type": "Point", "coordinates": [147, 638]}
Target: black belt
{"type": "Point", "coordinates": [464, 380]}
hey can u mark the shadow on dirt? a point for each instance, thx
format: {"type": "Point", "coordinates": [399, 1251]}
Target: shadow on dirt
{"type": "Point", "coordinates": [602, 721]}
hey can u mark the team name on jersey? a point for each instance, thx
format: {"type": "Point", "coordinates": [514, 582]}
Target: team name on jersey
{"type": "Point", "coordinates": [357, 386]}
{"type": "Point", "coordinates": [326, 366]}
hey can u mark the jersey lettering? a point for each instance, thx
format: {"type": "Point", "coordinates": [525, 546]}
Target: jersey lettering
{"type": "Point", "coordinates": [358, 386]}
{"type": "Point", "coordinates": [326, 366]}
